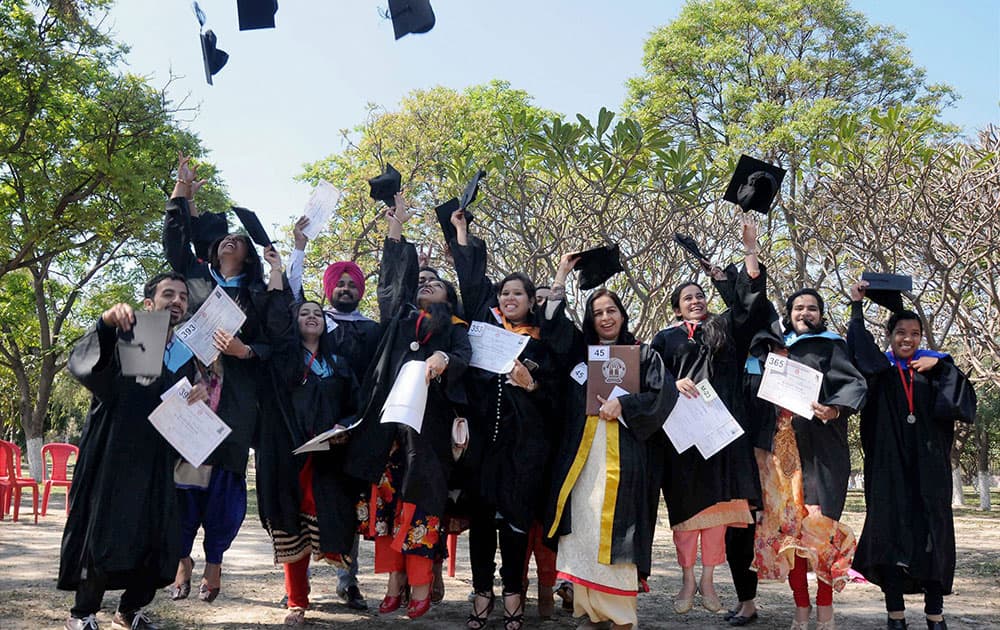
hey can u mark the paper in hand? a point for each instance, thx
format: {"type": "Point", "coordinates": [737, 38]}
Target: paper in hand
{"type": "Point", "coordinates": [323, 202]}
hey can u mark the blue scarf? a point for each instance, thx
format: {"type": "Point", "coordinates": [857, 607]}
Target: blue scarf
{"type": "Point", "coordinates": [319, 366]}
{"type": "Point", "coordinates": [235, 281]}
{"type": "Point", "coordinates": [753, 365]}
{"type": "Point", "coordinates": [921, 352]}
{"type": "Point", "coordinates": [176, 354]}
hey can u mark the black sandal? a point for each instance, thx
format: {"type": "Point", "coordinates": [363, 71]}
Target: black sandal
{"type": "Point", "coordinates": [513, 620]}
{"type": "Point", "coordinates": [479, 618]}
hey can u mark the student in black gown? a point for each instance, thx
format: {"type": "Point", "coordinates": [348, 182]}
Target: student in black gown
{"type": "Point", "coordinates": [213, 496]}
{"type": "Point", "coordinates": [907, 428]}
{"type": "Point", "coordinates": [123, 530]}
{"type": "Point", "coordinates": [598, 507]}
{"type": "Point", "coordinates": [705, 497]}
{"type": "Point", "coordinates": [409, 470]}
{"type": "Point", "coordinates": [306, 502]}
{"type": "Point", "coordinates": [804, 464]}
{"type": "Point", "coordinates": [513, 430]}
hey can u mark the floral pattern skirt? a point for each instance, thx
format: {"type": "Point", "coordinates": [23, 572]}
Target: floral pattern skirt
{"type": "Point", "coordinates": [384, 513]}
{"type": "Point", "coordinates": [787, 527]}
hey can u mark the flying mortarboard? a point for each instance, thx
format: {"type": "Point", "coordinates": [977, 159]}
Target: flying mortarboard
{"type": "Point", "coordinates": [253, 226]}
{"type": "Point", "coordinates": [885, 289]}
{"type": "Point", "coordinates": [385, 186]}
{"type": "Point", "coordinates": [689, 245]}
{"type": "Point", "coordinates": [256, 13]}
{"type": "Point", "coordinates": [411, 16]}
{"type": "Point", "coordinates": [469, 194]}
{"type": "Point", "coordinates": [597, 265]}
{"type": "Point", "coordinates": [754, 184]}
{"type": "Point", "coordinates": [444, 212]}
{"type": "Point", "coordinates": [214, 58]}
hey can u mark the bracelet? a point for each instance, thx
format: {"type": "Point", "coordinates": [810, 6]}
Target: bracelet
{"type": "Point", "coordinates": [249, 354]}
{"type": "Point", "coordinates": [447, 359]}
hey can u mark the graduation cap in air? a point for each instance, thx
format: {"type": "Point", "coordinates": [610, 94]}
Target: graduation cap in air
{"type": "Point", "coordinates": [212, 57]}
{"type": "Point", "coordinates": [411, 16]}
{"type": "Point", "coordinates": [597, 265]}
{"type": "Point", "coordinates": [385, 186]}
{"type": "Point", "coordinates": [256, 13]}
{"type": "Point", "coordinates": [754, 184]}
{"type": "Point", "coordinates": [470, 192]}
{"type": "Point", "coordinates": [444, 212]}
{"type": "Point", "coordinates": [140, 350]}
{"type": "Point", "coordinates": [253, 226]}
{"type": "Point", "coordinates": [885, 289]}
{"type": "Point", "coordinates": [206, 228]}
{"type": "Point", "coordinates": [689, 245]}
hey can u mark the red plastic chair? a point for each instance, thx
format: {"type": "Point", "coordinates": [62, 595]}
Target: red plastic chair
{"type": "Point", "coordinates": [13, 482]}
{"type": "Point", "coordinates": [60, 454]}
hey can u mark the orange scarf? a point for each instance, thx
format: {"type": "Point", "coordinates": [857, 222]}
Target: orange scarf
{"type": "Point", "coordinates": [521, 329]}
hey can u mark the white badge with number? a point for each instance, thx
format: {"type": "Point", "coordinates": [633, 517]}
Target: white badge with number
{"type": "Point", "coordinates": [776, 362]}
{"type": "Point", "coordinates": [707, 391]}
{"type": "Point", "coordinates": [579, 373]}
{"type": "Point", "coordinates": [476, 329]}
{"type": "Point", "coordinates": [598, 353]}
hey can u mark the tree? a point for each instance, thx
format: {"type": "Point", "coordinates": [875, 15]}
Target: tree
{"type": "Point", "coordinates": [85, 160]}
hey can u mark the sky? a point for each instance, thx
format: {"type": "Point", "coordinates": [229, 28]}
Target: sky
{"type": "Point", "coordinates": [286, 93]}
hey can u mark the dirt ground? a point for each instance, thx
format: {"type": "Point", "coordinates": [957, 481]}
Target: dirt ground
{"type": "Point", "coordinates": [252, 586]}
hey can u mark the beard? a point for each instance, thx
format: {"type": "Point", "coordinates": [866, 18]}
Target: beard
{"type": "Point", "coordinates": [345, 303]}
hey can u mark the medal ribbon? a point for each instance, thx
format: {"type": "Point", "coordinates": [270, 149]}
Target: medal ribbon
{"type": "Point", "coordinates": [416, 331]}
{"type": "Point", "coordinates": [907, 388]}
{"type": "Point", "coordinates": [691, 327]}
{"type": "Point", "coordinates": [305, 373]}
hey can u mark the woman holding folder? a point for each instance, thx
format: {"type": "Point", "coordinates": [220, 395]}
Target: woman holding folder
{"type": "Point", "coordinates": [409, 468]}
{"type": "Point", "coordinates": [598, 508]}
{"type": "Point", "coordinates": [306, 502]}
{"type": "Point", "coordinates": [705, 496]}
{"type": "Point", "coordinates": [512, 438]}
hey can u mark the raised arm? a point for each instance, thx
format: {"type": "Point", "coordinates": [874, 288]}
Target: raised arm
{"type": "Point", "coordinates": [469, 255]}
{"type": "Point", "coordinates": [866, 354]}
{"type": "Point", "coordinates": [398, 273]}
{"type": "Point", "coordinates": [297, 259]}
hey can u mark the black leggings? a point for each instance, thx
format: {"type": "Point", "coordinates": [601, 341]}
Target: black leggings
{"type": "Point", "coordinates": [90, 593]}
{"type": "Point", "coordinates": [892, 586]}
{"type": "Point", "coordinates": [484, 529]}
{"type": "Point", "coordinates": [739, 556]}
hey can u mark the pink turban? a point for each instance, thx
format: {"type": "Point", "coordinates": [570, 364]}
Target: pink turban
{"type": "Point", "coordinates": [333, 273]}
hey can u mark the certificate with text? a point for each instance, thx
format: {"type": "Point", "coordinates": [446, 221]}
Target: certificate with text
{"type": "Point", "coordinates": [790, 385]}
{"type": "Point", "coordinates": [218, 311]}
{"type": "Point", "coordinates": [494, 349]}
{"type": "Point", "coordinates": [193, 430]}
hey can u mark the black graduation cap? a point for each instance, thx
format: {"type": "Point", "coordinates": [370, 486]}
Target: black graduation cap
{"type": "Point", "coordinates": [884, 289]}
{"type": "Point", "coordinates": [597, 265]}
{"type": "Point", "coordinates": [385, 186]}
{"type": "Point", "coordinates": [689, 245]}
{"type": "Point", "coordinates": [411, 16]}
{"type": "Point", "coordinates": [469, 194]}
{"type": "Point", "coordinates": [256, 13]}
{"type": "Point", "coordinates": [253, 226]}
{"type": "Point", "coordinates": [444, 212]}
{"type": "Point", "coordinates": [206, 228]}
{"type": "Point", "coordinates": [754, 184]}
{"type": "Point", "coordinates": [214, 58]}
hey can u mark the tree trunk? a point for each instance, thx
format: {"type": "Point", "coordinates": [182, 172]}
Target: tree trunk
{"type": "Point", "coordinates": [33, 451]}
{"type": "Point", "coordinates": [983, 462]}
{"type": "Point", "coordinates": [962, 435]}
{"type": "Point", "coordinates": [984, 490]}
{"type": "Point", "coordinates": [957, 497]}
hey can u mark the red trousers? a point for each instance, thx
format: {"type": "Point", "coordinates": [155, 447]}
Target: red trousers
{"type": "Point", "coordinates": [800, 586]}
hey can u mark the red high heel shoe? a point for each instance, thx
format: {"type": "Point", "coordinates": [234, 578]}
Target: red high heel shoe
{"type": "Point", "coordinates": [390, 603]}
{"type": "Point", "coordinates": [418, 607]}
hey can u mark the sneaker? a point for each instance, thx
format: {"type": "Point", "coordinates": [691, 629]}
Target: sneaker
{"type": "Point", "coordinates": [352, 595]}
{"type": "Point", "coordinates": [137, 620]}
{"type": "Point", "coordinates": [87, 623]}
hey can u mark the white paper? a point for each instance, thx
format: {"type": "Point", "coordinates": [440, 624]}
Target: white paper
{"type": "Point", "coordinates": [408, 397]}
{"type": "Point", "coordinates": [193, 430]}
{"type": "Point", "coordinates": [790, 385]}
{"type": "Point", "coordinates": [323, 201]}
{"type": "Point", "coordinates": [617, 392]}
{"type": "Point", "coordinates": [494, 349]}
{"type": "Point", "coordinates": [218, 311]}
{"type": "Point", "coordinates": [322, 441]}
{"type": "Point", "coordinates": [701, 422]}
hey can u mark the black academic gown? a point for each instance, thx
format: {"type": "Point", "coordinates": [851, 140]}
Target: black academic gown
{"type": "Point", "coordinates": [428, 453]}
{"type": "Point", "coordinates": [908, 466]}
{"type": "Point", "coordinates": [242, 378]}
{"type": "Point", "coordinates": [644, 414]}
{"type": "Point", "coordinates": [823, 449]}
{"type": "Point", "coordinates": [123, 520]}
{"type": "Point", "coordinates": [303, 405]}
{"type": "Point", "coordinates": [512, 431]}
{"type": "Point", "coordinates": [690, 483]}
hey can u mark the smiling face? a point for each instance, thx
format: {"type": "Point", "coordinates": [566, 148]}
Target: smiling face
{"type": "Point", "coordinates": [311, 320]}
{"type": "Point", "coordinates": [905, 338]}
{"type": "Point", "coordinates": [514, 301]}
{"type": "Point", "coordinates": [346, 294]}
{"type": "Point", "coordinates": [432, 292]}
{"type": "Point", "coordinates": [426, 276]}
{"type": "Point", "coordinates": [692, 304]}
{"type": "Point", "coordinates": [233, 247]}
{"type": "Point", "coordinates": [171, 295]}
{"type": "Point", "coordinates": [607, 318]}
{"type": "Point", "coordinates": [805, 314]}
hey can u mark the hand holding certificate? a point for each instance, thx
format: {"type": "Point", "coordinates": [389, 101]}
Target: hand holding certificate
{"type": "Point", "coordinates": [703, 422]}
{"type": "Point", "coordinates": [493, 348]}
{"type": "Point", "coordinates": [322, 203]}
{"type": "Point", "coordinates": [407, 400]}
{"type": "Point", "coordinates": [790, 385]}
{"type": "Point", "coordinates": [192, 429]}
{"type": "Point", "coordinates": [322, 441]}
{"type": "Point", "coordinates": [218, 312]}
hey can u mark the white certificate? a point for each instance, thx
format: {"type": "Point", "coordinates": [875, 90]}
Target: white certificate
{"type": "Point", "coordinates": [323, 201]}
{"type": "Point", "coordinates": [322, 441]}
{"type": "Point", "coordinates": [790, 385]}
{"type": "Point", "coordinates": [193, 430]}
{"type": "Point", "coordinates": [218, 311]}
{"type": "Point", "coordinates": [703, 422]}
{"type": "Point", "coordinates": [494, 349]}
{"type": "Point", "coordinates": [408, 397]}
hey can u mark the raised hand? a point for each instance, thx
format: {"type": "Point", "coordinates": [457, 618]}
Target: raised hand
{"type": "Point", "coordinates": [120, 316]}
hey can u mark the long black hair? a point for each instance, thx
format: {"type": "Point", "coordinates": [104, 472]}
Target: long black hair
{"type": "Point", "coordinates": [529, 289]}
{"type": "Point", "coordinates": [786, 321]}
{"type": "Point", "coordinates": [252, 269]}
{"type": "Point", "coordinates": [327, 344]}
{"type": "Point", "coordinates": [625, 338]}
{"type": "Point", "coordinates": [441, 312]}
{"type": "Point", "coordinates": [713, 328]}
